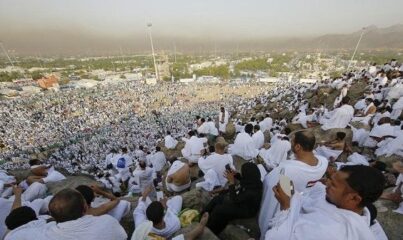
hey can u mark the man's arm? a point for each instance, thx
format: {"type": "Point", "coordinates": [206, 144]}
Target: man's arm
{"type": "Point", "coordinates": [17, 200]}
{"type": "Point", "coordinates": [140, 211]}
{"type": "Point", "coordinates": [104, 208]}
{"type": "Point", "coordinates": [103, 193]}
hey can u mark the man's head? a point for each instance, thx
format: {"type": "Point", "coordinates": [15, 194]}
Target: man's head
{"type": "Point", "coordinates": [168, 133]}
{"type": "Point", "coordinates": [155, 212]}
{"type": "Point", "coordinates": [191, 133]}
{"type": "Point", "coordinates": [222, 109]}
{"type": "Point", "coordinates": [303, 141]}
{"type": "Point", "coordinates": [19, 217]}
{"type": "Point", "coordinates": [219, 147]}
{"type": "Point", "coordinates": [158, 148]}
{"type": "Point", "coordinates": [354, 187]}
{"type": "Point", "coordinates": [256, 128]}
{"type": "Point", "coordinates": [249, 128]}
{"type": "Point", "coordinates": [67, 205]}
{"type": "Point", "coordinates": [124, 149]}
{"type": "Point", "coordinates": [345, 100]}
{"type": "Point", "coordinates": [369, 100]}
{"type": "Point", "coordinates": [87, 193]}
{"type": "Point", "coordinates": [340, 135]}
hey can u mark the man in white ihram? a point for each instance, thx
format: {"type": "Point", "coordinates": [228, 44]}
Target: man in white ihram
{"type": "Point", "coordinates": [341, 211]}
{"type": "Point", "coordinates": [193, 147]}
{"type": "Point", "coordinates": [68, 208]}
{"type": "Point", "coordinates": [223, 120]}
{"type": "Point", "coordinates": [305, 170]}
{"type": "Point", "coordinates": [340, 117]}
{"type": "Point", "coordinates": [244, 146]}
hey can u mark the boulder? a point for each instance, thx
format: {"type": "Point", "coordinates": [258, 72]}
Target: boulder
{"type": "Point", "coordinates": [389, 220]}
{"type": "Point", "coordinates": [70, 182]}
{"type": "Point", "coordinates": [230, 131]}
{"type": "Point", "coordinates": [251, 224]}
{"type": "Point", "coordinates": [207, 233]}
{"type": "Point", "coordinates": [390, 160]}
{"type": "Point", "coordinates": [324, 136]}
{"type": "Point", "coordinates": [232, 232]}
{"type": "Point", "coordinates": [195, 199]}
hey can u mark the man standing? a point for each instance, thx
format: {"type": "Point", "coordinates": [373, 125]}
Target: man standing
{"type": "Point", "coordinates": [223, 120]}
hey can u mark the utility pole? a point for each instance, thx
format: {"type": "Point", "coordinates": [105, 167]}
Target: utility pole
{"type": "Point", "coordinates": [149, 25]}
{"type": "Point", "coordinates": [5, 52]}
{"type": "Point", "coordinates": [356, 47]}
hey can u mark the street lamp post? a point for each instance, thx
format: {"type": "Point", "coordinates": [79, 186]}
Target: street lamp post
{"type": "Point", "coordinates": [5, 52]}
{"type": "Point", "coordinates": [355, 50]}
{"type": "Point", "coordinates": [149, 25]}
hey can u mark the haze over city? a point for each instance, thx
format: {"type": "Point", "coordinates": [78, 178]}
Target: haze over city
{"type": "Point", "coordinates": [89, 27]}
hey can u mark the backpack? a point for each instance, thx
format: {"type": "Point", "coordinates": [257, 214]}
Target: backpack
{"type": "Point", "coordinates": [121, 163]}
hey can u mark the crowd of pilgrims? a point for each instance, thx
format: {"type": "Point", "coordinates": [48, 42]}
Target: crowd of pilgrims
{"type": "Point", "coordinates": [295, 186]}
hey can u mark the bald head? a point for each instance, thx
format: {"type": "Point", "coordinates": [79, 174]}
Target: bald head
{"type": "Point", "coordinates": [67, 205]}
{"type": "Point", "coordinates": [219, 147]}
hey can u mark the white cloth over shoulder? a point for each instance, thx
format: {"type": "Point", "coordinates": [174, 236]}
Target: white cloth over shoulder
{"type": "Point", "coordinates": [170, 142]}
{"type": "Point", "coordinates": [339, 118]}
{"type": "Point", "coordinates": [315, 218]}
{"type": "Point", "coordinates": [276, 154]}
{"type": "Point", "coordinates": [87, 227]}
{"type": "Point", "coordinates": [244, 147]}
{"type": "Point", "coordinates": [301, 174]}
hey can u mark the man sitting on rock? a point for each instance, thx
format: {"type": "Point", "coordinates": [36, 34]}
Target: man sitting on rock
{"type": "Point", "coordinates": [170, 142]}
{"type": "Point", "coordinates": [244, 146]}
{"type": "Point", "coordinates": [178, 177]}
{"type": "Point", "coordinates": [43, 173]}
{"type": "Point", "coordinates": [193, 147]}
{"type": "Point", "coordinates": [340, 117]}
{"type": "Point", "coordinates": [163, 214]}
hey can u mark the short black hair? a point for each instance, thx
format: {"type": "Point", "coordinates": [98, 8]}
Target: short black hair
{"type": "Point", "coordinates": [155, 212]}
{"type": "Point", "coordinates": [87, 193]}
{"type": "Point", "coordinates": [367, 181]}
{"type": "Point", "coordinates": [287, 131]}
{"type": "Point", "coordinates": [305, 139]}
{"type": "Point", "coordinates": [191, 133]}
{"type": "Point", "coordinates": [67, 205]}
{"type": "Point", "coordinates": [158, 148]}
{"type": "Point", "coordinates": [256, 127]}
{"type": "Point", "coordinates": [19, 217]}
{"type": "Point", "coordinates": [249, 128]}
{"type": "Point", "coordinates": [340, 135]}
{"type": "Point", "coordinates": [345, 100]}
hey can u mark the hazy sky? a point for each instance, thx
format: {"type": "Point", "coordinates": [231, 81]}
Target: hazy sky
{"type": "Point", "coordinates": [211, 19]}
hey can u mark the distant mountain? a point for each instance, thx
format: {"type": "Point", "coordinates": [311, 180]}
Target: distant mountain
{"type": "Point", "coordinates": [374, 38]}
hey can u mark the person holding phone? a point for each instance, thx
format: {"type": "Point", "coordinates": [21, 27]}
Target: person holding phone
{"type": "Point", "coordinates": [240, 201]}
